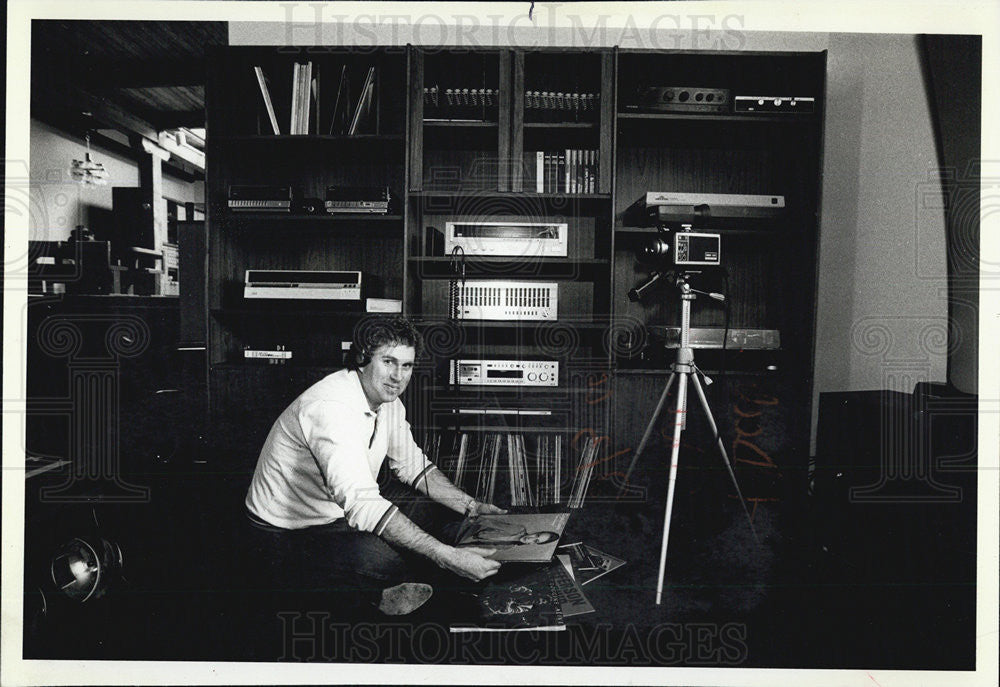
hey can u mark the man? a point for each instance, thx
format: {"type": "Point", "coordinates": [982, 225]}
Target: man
{"type": "Point", "coordinates": [317, 476]}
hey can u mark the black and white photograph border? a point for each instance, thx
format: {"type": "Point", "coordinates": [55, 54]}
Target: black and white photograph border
{"type": "Point", "coordinates": [896, 329]}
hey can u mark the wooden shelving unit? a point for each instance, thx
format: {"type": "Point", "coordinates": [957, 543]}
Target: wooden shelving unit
{"type": "Point", "coordinates": [476, 159]}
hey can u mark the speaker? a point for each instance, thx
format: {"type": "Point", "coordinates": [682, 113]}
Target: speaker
{"type": "Point", "coordinates": [191, 240]}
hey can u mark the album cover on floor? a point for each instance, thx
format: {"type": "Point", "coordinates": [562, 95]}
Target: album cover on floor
{"type": "Point", "coordinates": [590, 563]}
{"type": "Point", "coordinates": [522, 601]}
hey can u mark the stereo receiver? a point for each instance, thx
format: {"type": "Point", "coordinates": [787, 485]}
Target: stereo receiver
{"type": "Point", "coordinates": [771, 103]}
{"type": "Point", "coordinates": [504, 373]}
{"type": "Point", "coordinates": [305, 284]}
{"type": "Point", "coordinates": [514, 239]}
{"type": "Point", "coordinates": [684, 99]}
{"type": "Point", "coordinates": [732, 205]}
{"type": "Point", "coordinates": [260, 198]}
{"type": "Point", "coordinates": [505, 300]}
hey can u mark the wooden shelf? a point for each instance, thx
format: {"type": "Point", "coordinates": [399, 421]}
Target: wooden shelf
{"type": "Point", "coordinates": [513, 427]}
{"type": "Point", "coordinates": [289, 308]}
{"type": "Point", "coordinates": [637, 372]}
{"type": "Point", "coordinates": [456, 159]}
{"type": "Point", "coordinates": [298, 367]}
{"type": "Point", "coordinates": [510, 194]}
{"type": "Point", "coordinates": [519, 268]}
{"type": "Point", "coordinates": [808, 118]}
{"type": "Point", "coordinates": [460, 123]}
{"type": "Point", "coordinates": [324, 218]}
{"type": "Point", "coordinates": [309, 138]}
{"type": "Point", "coordinates": [525, 325]}
{"type": "Point", "coordinates": [560, 125]}
{"type": "Point", "coordinates": [769, 231]}
{"type": "Point", "coordinates": [532, 390]}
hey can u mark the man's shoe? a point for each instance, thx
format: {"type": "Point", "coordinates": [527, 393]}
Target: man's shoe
{"type": "Point", "coordinates": [404, 598]}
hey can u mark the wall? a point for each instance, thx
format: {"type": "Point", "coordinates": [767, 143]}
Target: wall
{"type": "Point", "coordinates": [58, 203]}
{"type": "Point", "coordinates": [882, 310]}
{"type": "Point", "coordinates": [881, 307]}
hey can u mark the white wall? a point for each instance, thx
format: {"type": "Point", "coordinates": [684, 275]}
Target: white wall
{"type": "Point", "coordinates": [882, 313]}
{"type": "Point", "coordinates": [881, 308]}
{"type": "Point", "coordinates": [58, 203]}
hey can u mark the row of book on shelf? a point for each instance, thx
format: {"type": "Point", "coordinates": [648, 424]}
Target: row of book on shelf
{"type": "Point", "coordinates": [461, 97]}
{"type": "Point", "coordinates": [563, 171]}
{"type": "Point", "coordinates": [539, 472]}
{"type": "Point", "coordinates": [488, 97]}
{"type": "Point", "coordinates": [305, 115]}
{"type": "Point", "coordinates": [552, 100]}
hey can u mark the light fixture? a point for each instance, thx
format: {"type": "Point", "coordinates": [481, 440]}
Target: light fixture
{"type": "Point", "coordinates": [88, 172]}
{"type": "Point", "coordinates": [84, 569]}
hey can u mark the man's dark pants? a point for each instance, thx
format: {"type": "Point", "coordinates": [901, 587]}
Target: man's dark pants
{"type": "Point", "coordinates": [351, 567]}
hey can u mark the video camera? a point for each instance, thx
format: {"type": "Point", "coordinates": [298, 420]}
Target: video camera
{"type": "Point", "coordinates": [681, 246]}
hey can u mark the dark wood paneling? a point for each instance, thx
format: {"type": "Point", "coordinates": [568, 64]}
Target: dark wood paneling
{"type": "Point", "coordinates": [415, 74]}
{"type": "Point", "coordinates": [504, 121]}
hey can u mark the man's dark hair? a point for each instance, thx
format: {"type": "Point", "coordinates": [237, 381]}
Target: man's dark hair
{"type": "Point", "coordinates": [374, 332]}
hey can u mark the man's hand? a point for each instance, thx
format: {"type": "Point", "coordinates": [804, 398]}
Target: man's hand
{"type": "Point", "coordinates": [470, 562]}
{"type": "Point", "coordinates": [478, 508]}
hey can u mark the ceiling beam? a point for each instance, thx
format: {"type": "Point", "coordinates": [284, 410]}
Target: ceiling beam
{"type": "Point", "coordinates": [174, 119]}
{"type": "Point", "coordinates": [107, 75]}
{"type": "Point", "coordinates": [101, 110]}
{"type": "Point", "coordinates": [64, 110]}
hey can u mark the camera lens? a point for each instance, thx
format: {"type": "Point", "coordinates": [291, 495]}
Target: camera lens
{"type": "Point", "coordinates": [655, 250]}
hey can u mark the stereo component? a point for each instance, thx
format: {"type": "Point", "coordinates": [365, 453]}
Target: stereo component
{"type": "Point", "coordinates": [504, 373]}
{"type": "Point", "coordinates": [514, 239]}
{"type": "Point", "coordinates": [383, 305]}
{"type": "Point", "coordinates": [505, 300]}
{"type": "Point", "coordinates": [357, 199]}
{"type": "Point", "coordinates": [686, 206]}
{"type": "Point", "coordinates": [772, 103]}
{"type": "Point", "coordinates": [275, 356]}
{"type": "Point", "coordinates": [303, 284]}
{"type": "Point", "coordinates": [684, 99]}
{"type": "Point", "coordinates": [735, 339]}
{"type": "Point", "coordinates": [260, 198]}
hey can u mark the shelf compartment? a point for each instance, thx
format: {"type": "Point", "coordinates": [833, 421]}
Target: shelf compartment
{"type": "Point", "coordinates": [549, 79]}
{"type": "Point", "coordinates": [238, 104]}
{"type": "Point", "coordinates": [560, 338]}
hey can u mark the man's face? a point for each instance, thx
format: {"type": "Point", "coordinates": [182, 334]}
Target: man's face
{"type": "Point", "coordinates": [388, 373]}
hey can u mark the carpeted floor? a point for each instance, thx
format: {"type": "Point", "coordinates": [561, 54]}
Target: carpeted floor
{"type": "Point", "coordinates": [728, 600]}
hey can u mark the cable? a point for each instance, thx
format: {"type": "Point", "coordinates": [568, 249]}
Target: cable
{"type": "Point", "coordinates": [725, 328]}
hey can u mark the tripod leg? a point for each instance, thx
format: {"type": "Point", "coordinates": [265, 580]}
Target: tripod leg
{"type": "Point", "coordinates": [722, 449]}
{"type": "Point", "coordinates": [648, 433]}
{"type": "Point", "coordinates": [675, 450]}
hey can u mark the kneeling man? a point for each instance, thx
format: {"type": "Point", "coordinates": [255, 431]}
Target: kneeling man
{"type": "Point", "coordinates": [315, 489]}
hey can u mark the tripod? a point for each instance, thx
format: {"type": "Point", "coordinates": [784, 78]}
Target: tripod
{"type": "Point", "coordinates": [683, 369]}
